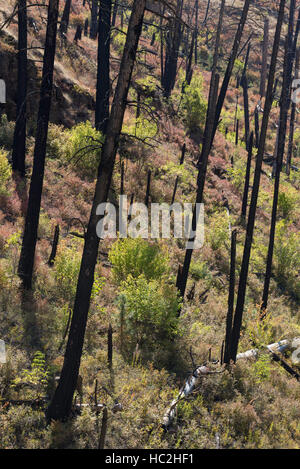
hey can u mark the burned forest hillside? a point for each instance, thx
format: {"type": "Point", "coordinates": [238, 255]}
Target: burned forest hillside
{"type": "Point", "coordinates": [149, 224]}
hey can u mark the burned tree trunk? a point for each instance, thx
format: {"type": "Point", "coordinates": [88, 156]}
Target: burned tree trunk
{"type": "Point", "coordinates": [64, 24]}
{"type": "Point", "coordinates": [115, 13]}
{"type": "Point", "coordinates": [247, 178]}
{"type": "Point", "coordinates": [230, 299]}
{"type": "Point", "coordinates": [61, 404]}
{"type": "Point", "coordinates": [285, 102]}
{"type": "Point", "coordinates": [172, 50]}
{"type": "Point", "coordinates": [54, 247]}
{"type": "Point", "coordinates": [26, 262]}
{"type": "Point", "coordinates": [264, 62]}
{"type": "Point", "coordinates": [103, 81]}
{"type": "Point", "coordinates": [252, 213]}
{"type": "Point", "coordinates": [94, 22]}
{"type": "Point", "coordinates": [19, 145]}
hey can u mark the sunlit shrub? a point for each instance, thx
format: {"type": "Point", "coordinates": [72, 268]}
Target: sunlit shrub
{"type": "Point", "coordinates": [194, 104]}
{"type": "Point", "coordinates": [82, 149]}
{"type": "Point", "coordinates": [6, 132]}
{"type": "Point", "coordinates": [5, 172]}
{"type": "Point", "coordinates": [137, 257]}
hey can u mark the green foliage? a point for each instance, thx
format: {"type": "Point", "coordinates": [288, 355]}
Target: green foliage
{"type": "Point", "coordinates": [288, 200]}
{"type": "Point", "coordinates": [199, 270]}
{"type": "Point", "coordinates": [194, 104]}
{"type": "Point", "coordinates": [137, 257]}
{"type": "Point", "coordinates": [262, 367]}
{"type": "Point", "coordinates": [218, 231]}
{"type": "Point", "coordinates": [287, 252]}
{"type": "Point", "coordinates": [237, 173]}
{"type": "Point", "coordinates": [6, 132]}
{"type": "Point", "coordinates": [56, 141]}
{"type": "Point", "coordinates": [5, 172]}
{"type": "Point", "coordinates": [150, 308]}
{"type": "Point", "coordinates": [82, 148]}
{"type": "Point", "coordinates": [36, 378]}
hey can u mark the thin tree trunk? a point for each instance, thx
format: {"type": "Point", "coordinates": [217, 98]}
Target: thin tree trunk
{"type": "Point", "coordinates": [252, 213]}
{"type": "Point", "coordinates": [230, 299]}
{"type": "Point", "coordinates": [61, 404]}
{"type": "Point", "coordinates": [247, 178]}
{"type": "Point", "coordinates": [54, 247]}
{"type": "Point", "coordinates": [26, 262]}
{"type": "Point", "coordinates": [264, 63]}
{"type": "Point", "coordinates": [94, 22]}
{"type": "Point", "coordinates": [285, 102]}
{"type": "Point", "coordinates": [115, 13]}
{"type": "Point", "coordinates": [196, 30]}
{"type": "Point", "coordinates": [292, 121]}
{"type": "Point", "coordinates": [64, 24]}
{"type": "Point", "coordinates": [103, 80]}
{"type": "Point", "coordinates": [19, 145]}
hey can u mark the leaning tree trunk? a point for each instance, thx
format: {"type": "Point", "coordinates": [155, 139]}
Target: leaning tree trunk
{"type": "Point", "coordinates": [61, 404]}
{"type": "Point", "coordinates": [285, 103]}
{"type": "Point", "coordinates": [252, 212]}
{"type": "Point", "coordinates": [103, 82]}
{"type": "Point", "coordinates": [264, 62]}
{"type": "Point", "coordinates": [19, 145]}
{"type": "Point", "coordinates": [26, 262]}
{"type": "Point", "coordinates": [64, 24]}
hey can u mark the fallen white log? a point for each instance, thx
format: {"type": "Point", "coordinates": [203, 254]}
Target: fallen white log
{"type": "Point", "coordinates": [193, 381]}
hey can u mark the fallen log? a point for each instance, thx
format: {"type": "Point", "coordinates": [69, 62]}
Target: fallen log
{"type": "Point", "coordinates": [193, 380]}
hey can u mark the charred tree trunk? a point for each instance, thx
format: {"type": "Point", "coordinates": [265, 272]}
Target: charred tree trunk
{"type": "Point", "coordinates": [230, 299]}
{"type": "Point", "coordinates": [64, 24]}
{"type": "Point", "coordinates": [172, 51]}
{"type": "Point", "coordinates": [103, 81]}
{"type": "Point", "coordinates": [292, 121]}
{"type": "Point", "coordinates": [115, 13]}
{"type": "Point", "coordinates": [60, 406]}
{"type": "Point", "coordinates": [26, 262]}
{"type": "Point", "coordinates": [196, 30]}
{"type": "Point", "coordinates": [252, 213]}
{"type": "Point", "coordinates": [247, 178]}
{"type": "Point", "coordinates": [285, 103]}
{"type": "Point", "coordinates": [19, 145]}
{"type": "Point", "coordinates": [94, 22]}
{"type": "Point", "coordinates": [264, 62]}
{"type": "Point", "coordinates": [54, 247]}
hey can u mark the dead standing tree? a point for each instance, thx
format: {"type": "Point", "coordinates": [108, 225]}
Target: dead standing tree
{"type": "Point", "coordinates": [60, 406]}
{"type": "Point", "coordinates": [26, 262]}
{"type": "Point", "coordinates": [19, 145]}
{"type": "Point", "coordinates": [252, 212]}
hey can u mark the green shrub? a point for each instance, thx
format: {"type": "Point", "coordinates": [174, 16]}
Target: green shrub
{"type": "Point", "coordinates": [82, 149]}
{"type": "Point", "coordinates": [7, 129]}
{"type": "Point", "coordinates": [218, 232]}
{"type": "Point", "coordinates": [288, 200]}
{"type": "Point", "coordinates": [150, 311]}
{"type": "Point", "coordinates": [199, 270]}
{"type": "Point", "coordinates": [56, 140]}
{"type": "Point", "coordinates": [194, 104]}
{"type": "Point", "coordinates": [5, 172]}
{"type": "Point", "coordinates": [36, 379]}
{"type": "Point", "coordinates": [137, 257]}
{"type": "Point", "coordinates": [287, 252]}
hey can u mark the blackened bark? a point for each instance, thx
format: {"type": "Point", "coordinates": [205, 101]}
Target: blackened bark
{"type": "Point", "coordinates": [229, 318]}
{"type": "Point", "coordinates": [94, 22]}
{"type": "Point", "coordinates": [54, 247]}
{"type": "Point", "coordinates": [19, 144]}
{"type": "Point", "coordinates": [264, 62]}
{"type": "Point", "coordinates": [147, 197]}
{"type": "Point", "coordinates": [247, 177]}
{"type": "Point", "coordinates": [115, 13]}
{"type": "Point", "coordinates": [64, 24]}
{"type": "Point", "coordinates": [292, 121]}
{"type": "Point", "coordinates": [103, 80]}
{"type": "Point", "coordinates": [285, 102]}
{"type": "Point", "coordinates": [61, 404]}
{"type": "Point", "coordinates": [252, 212]}
{"type": "Point", "coordinates": [26, 262]}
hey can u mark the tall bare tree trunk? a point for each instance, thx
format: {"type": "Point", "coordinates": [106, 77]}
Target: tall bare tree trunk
{"type": "Point", "coordinates": [94, 22]}
{"type": "Point", "coordinates": [26, 262]}
{"type": "Point", "coordinates": [285, 103]}
{"type": "Point", "coordinates": [61, 404]}
{"type": "Point", "coordinates": [264, 62]}
{"type": "Point", "coordinates": [64, 24]}
{"type": "Point", "coordinates": [252, 212]}
{"type": "Point", "coordinates": [103, 81]}
{"type": "Point", "coordinates": [19, 145]}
